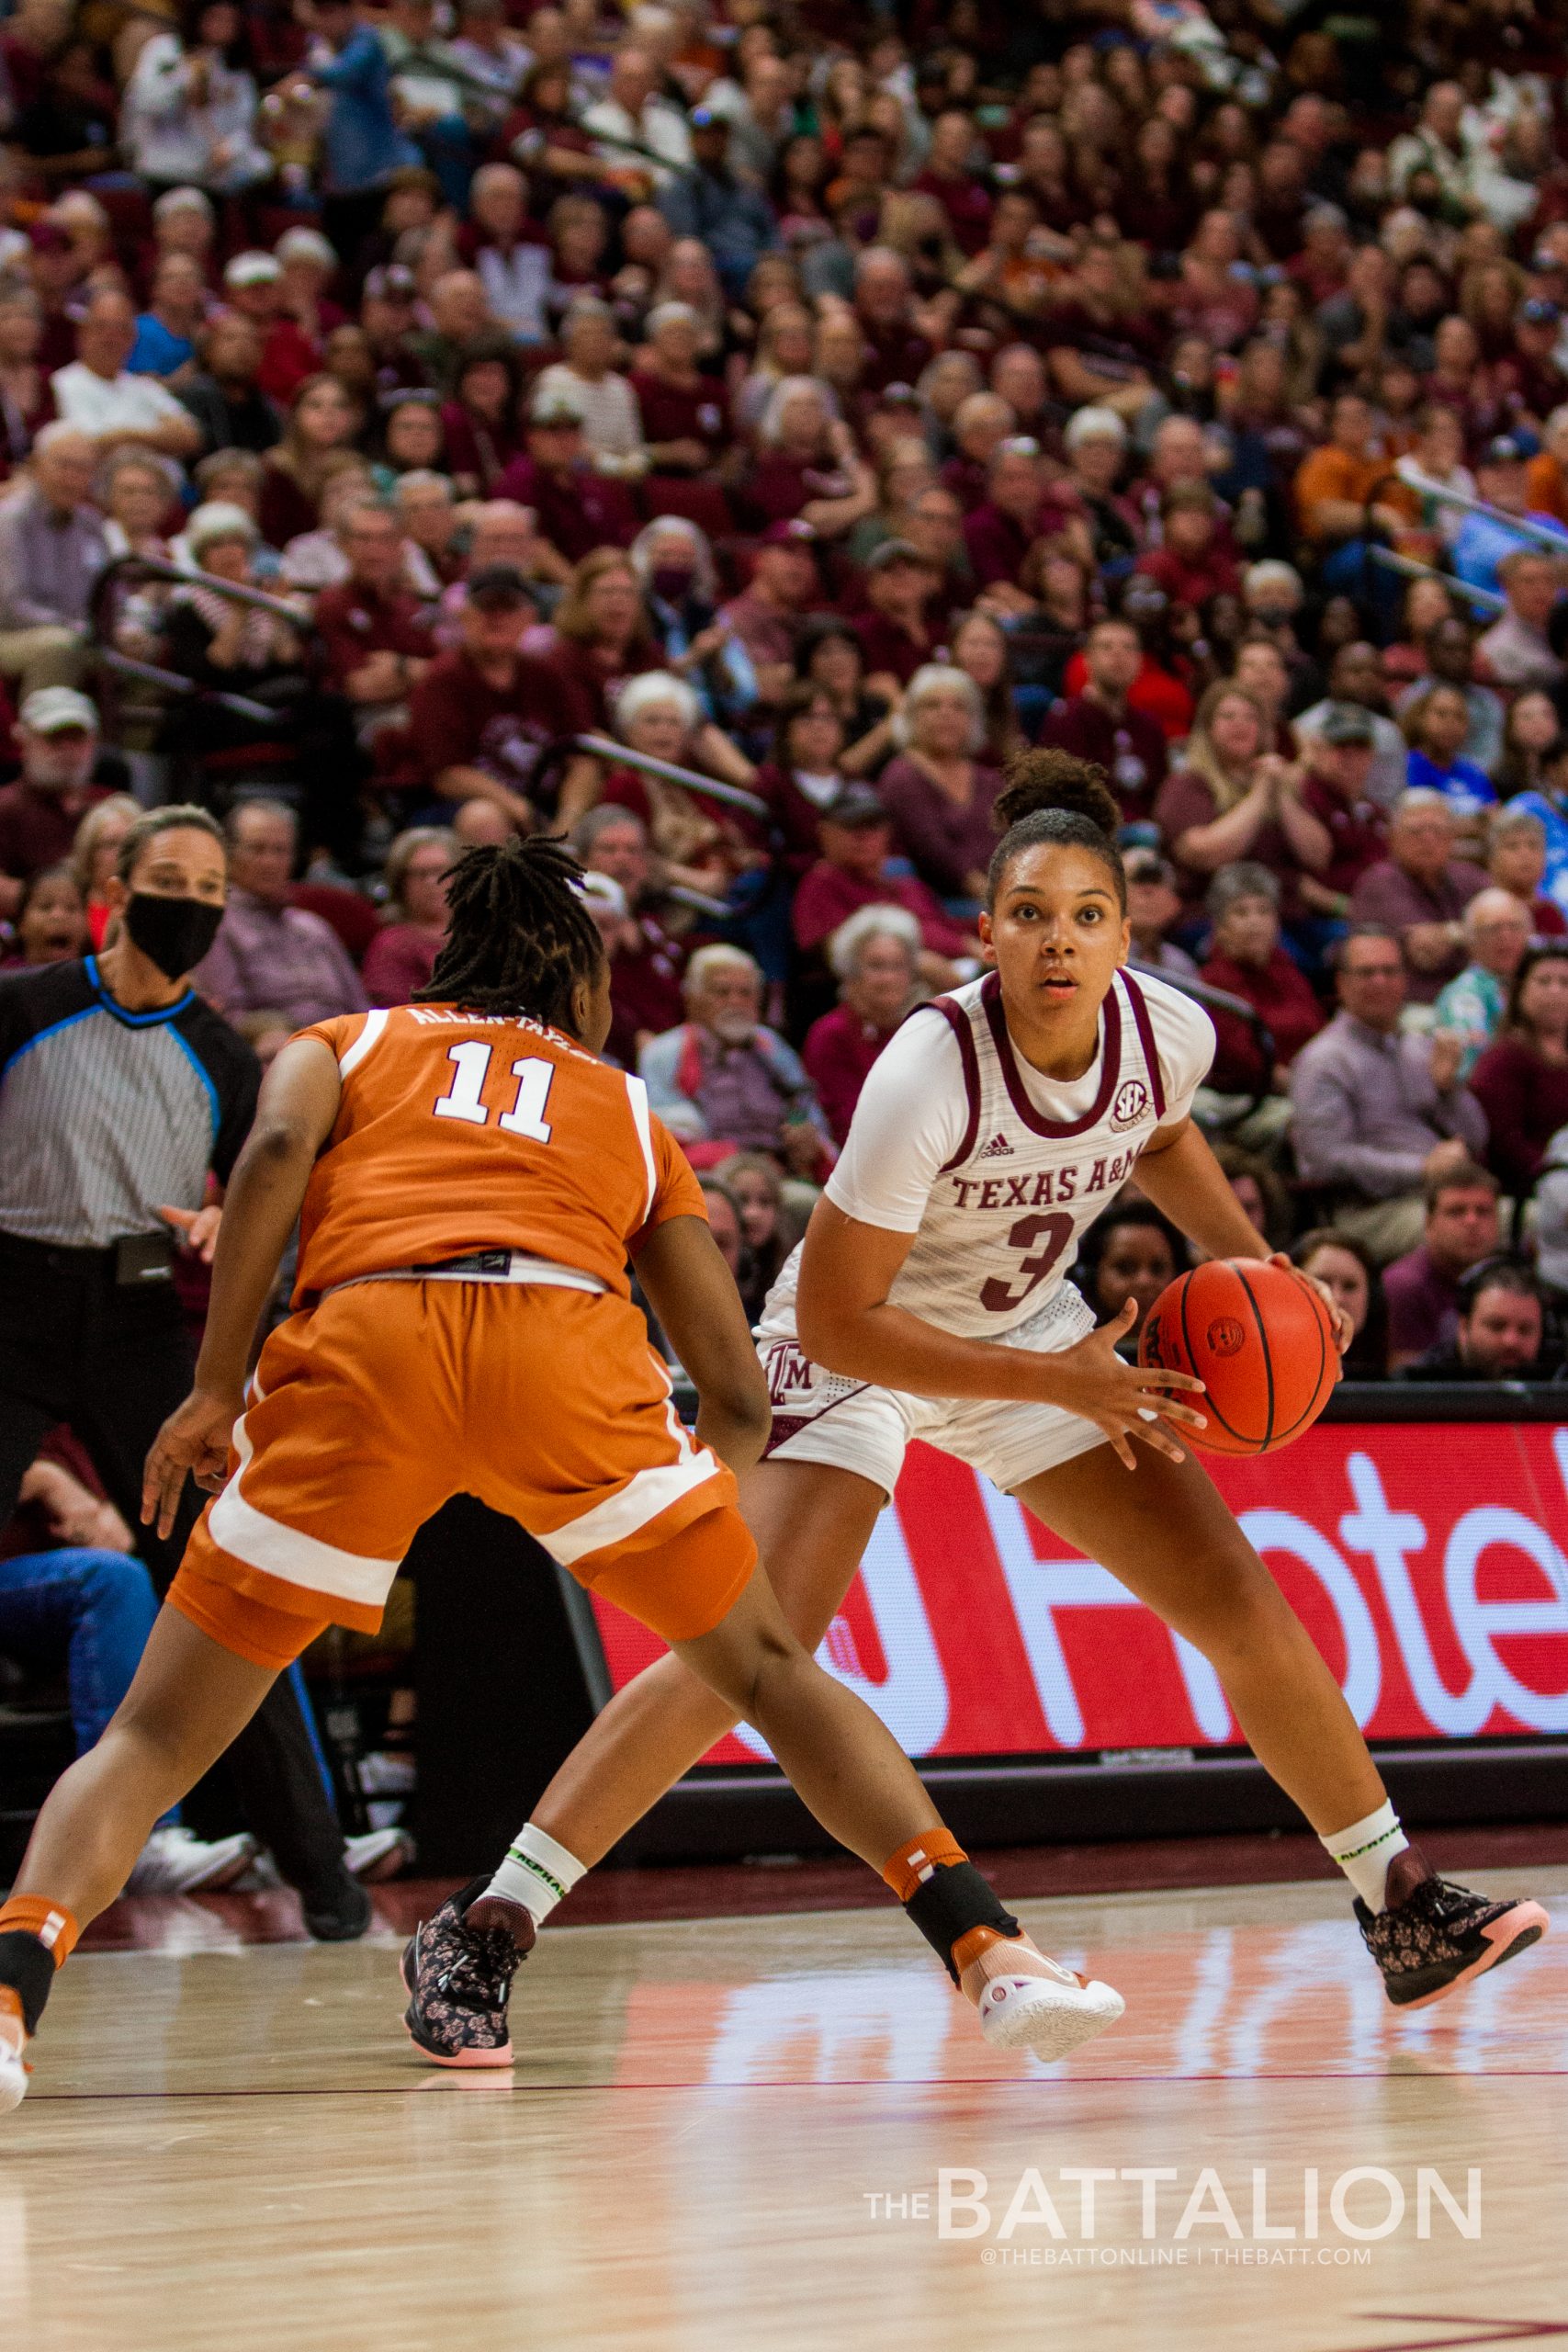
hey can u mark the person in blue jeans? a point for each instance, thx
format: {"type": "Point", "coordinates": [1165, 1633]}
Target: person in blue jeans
{"type": "Point", "coordinates": [91, 1605]}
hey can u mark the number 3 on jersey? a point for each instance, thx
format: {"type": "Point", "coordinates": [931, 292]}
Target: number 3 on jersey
{"type": "Point", "coordinates": [463, 1099]}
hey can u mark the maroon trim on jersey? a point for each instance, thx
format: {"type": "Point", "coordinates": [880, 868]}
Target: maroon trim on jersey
{"type": "Point", "coordinates": [957, 1021]}
{"type": "Point", "coordinates": [1110, 1064]}
{"type": "Point", "coordinates": [1145, 1029]}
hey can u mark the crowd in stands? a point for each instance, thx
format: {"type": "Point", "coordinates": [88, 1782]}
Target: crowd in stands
{"type": "Point", "coordinates": [729, 432]}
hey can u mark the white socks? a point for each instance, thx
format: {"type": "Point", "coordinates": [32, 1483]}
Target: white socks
{"type": "Point", "coordinates": [536, 1874]}
{"type": "Point", "coordinates": [1364, 1852]}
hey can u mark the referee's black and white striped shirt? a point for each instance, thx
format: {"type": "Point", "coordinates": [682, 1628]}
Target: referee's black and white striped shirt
{"type": "Point", "coordinates": [106, 1115]}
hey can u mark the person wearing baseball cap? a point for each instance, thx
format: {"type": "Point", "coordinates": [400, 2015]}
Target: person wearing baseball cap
{"type": "Point", "coordinates": [56, 734]}
{"type": "Point", "coordinates": [1483, 541]}
{"type": "Point", "coordinates": [765, 618]}
{"type": "Point", "coordinates": [900, 631]}
{"type": "Point", "coordinates": [578, 508]}
{"type": "Point", "coordinates": [855, 837]}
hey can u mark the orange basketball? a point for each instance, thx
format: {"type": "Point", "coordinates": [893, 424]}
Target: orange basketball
{"type": "Point", "coordinates": [1262, 1341]}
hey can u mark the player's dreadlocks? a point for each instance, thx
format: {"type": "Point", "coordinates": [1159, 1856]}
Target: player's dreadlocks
{"type": "Point", "coordinates": [519, 933]}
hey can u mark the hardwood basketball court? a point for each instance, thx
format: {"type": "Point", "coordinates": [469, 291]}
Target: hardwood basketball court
{"type": "Point", "coordinates": [719, 2129]}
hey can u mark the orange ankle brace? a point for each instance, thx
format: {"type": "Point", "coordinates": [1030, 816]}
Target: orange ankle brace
{"type": "Point", "coordinates": [918, 1857]}
{"type": "Point", "coordinates": [32, 1914]}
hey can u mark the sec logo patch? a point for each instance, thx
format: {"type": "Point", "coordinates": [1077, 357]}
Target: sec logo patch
{"type": "Point", "coordinates": [1131, 1104]}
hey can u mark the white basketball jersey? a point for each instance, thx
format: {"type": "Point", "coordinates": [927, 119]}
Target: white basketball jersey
{"type": "Point", "coordinates": [1005, 1213]}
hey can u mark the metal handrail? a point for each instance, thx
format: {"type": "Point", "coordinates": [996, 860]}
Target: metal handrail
{"type": "Point", "coordinates": [707, 788]}
{"type": "Point", "coordinates": [1485, 600]}
{"type": "Point", "coordinates": [173, 682]}
{"type": "Point", "coordinates": [1556, 542]}
{"type": "Point", "coordinates": [149, 567]}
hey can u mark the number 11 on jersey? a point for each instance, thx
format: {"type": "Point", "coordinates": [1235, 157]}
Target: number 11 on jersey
{"type": "Point", "coordinates": [464, 1098]}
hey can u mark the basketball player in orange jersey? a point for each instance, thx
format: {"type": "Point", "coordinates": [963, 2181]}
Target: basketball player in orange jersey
{"type": "Point", "coordinates": [468, 1179]}
{"type": "Point", "coordinates": [930, 1300]}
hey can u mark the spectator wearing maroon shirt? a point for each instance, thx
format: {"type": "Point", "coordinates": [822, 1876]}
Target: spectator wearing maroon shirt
{"type": "Point", "coordinates": [939, 794]}
{"type": "Point", "coordinates": [402, 955]}
{"type": "Point", "coordinates": [805, 774]}
{"type": "Point", "coordinates": [765, 618]}
{"type": "Point", "coordinates": [377, 642]}
{"type": "Point", "coordinates": [1234, 797]}
{"type": "Point", "coordinates": [809, 470]}
{"type": "Point", "coordinates": [478, 421]}
{"type": "Point", "coordinates": [577, 509]}
{"type": "Point", "coordinates": [1191, 565]}
{"type": "Point", "coordinates": [950, 175]}
{"type": "Point", "coordinates": [855, 835]}
{"type": "Point", "coordinates": [1338, 759]}
{"type": "Point", "coordinates": [480, 716]}
{"type": "Point", "coordinates": [981, 423]}
{"type": "Point", "coordinates": [1522, 1079]}
{"type": "Point", "coordinates": [601, 637]}
{"type": "Point", "coordinates": [899, 633]}
{"type": "Point", "coordinates": [685, 415]}
{"type": "Point", "coordinates": [1246, 960]}
{"type": "Point", "coordinates": [1462, 1227]}
{"type": "Point", "coordinates": [1420, 890]}
{"type": "Point", "coordinates": [1015, 512]}
{"type": "Point", "coordinates": [1099, 724]}
{"type": "Point", "coordinates": [896, 350]}
{"type": "Point", "coordinates": [876, 955]}
{"type": "Point", "coordinates": [647, 965]}
{"type": "Point", "coordinates": [58, 735]}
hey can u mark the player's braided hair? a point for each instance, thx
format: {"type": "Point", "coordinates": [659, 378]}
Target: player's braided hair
{"type": "Point", "coordinates": [1052, 797]}
{"type": "Point", "coordinates": [519, 933]}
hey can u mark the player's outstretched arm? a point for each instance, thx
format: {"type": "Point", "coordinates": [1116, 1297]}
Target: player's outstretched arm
{"type": "Point", "coordinates": [295, 1115]}
{"type": "Point", "coordinates": [849, 1325]}
{"type": "Point", "coordinates": [693, 1293]}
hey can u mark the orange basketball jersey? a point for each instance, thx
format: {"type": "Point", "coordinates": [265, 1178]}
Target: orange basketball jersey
{"type": "Point", "coordinates": [459, 1131]}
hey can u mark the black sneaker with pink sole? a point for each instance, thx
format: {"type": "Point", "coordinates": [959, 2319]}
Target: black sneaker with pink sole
{"type": "Point", "coordinates": [458, 1979]}
{"type": "Point", "coordinates": [1434, 1936]}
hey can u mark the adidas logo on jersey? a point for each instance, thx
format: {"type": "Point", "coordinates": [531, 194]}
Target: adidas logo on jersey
{"type": "Point", "coordinates": [997, 1149]}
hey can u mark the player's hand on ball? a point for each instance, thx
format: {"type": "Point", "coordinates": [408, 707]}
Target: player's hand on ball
{"type": "Point", "coordinates": [1126, 1400]}
{"type": "Point", "coordinates": [1344, 1329]}
{"type": "Point", "coordinates": [194, 1438]}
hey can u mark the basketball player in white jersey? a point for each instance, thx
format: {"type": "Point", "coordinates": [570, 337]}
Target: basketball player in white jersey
{"type": "Point", "coordinates": [929, 1300]}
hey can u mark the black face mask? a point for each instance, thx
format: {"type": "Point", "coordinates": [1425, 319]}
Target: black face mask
{"type": "Point", "coordinates": [670, 584]}
{"type": "Point", "coordinates": [173, 934]}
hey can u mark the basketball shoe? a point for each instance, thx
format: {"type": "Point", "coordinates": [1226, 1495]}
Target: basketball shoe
{"type": "Point", "coordinates": [458, 1980]}
{"type": "Point", "coordinates": [14, 2068]}
{"type": "Point", "coordinates": [1026, 1999]}
{"type": "Point", "coordinates": [1432, 1936]}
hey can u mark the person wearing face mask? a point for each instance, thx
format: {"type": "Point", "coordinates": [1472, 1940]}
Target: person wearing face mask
{"type": "Point", "coordinates": [121, 1094]}
{"type": "Point", "coordinates": [58, 737]}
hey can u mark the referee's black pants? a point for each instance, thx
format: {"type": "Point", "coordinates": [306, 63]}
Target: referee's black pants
{"type": "Point", "coordinates": [112, 1361]}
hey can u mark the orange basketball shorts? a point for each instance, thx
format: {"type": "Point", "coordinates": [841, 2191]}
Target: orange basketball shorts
{"type": "Point", "coordinates": [372, 1409]}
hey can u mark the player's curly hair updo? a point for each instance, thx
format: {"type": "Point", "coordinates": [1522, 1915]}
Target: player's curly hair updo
{"type": "Point", "coordinates": [519, 933]}
{"type": "Point", "coordinates": [1052, 798]}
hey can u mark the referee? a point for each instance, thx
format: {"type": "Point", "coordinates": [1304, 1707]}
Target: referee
{"type": "Point", "coordinates": [120, 1089]}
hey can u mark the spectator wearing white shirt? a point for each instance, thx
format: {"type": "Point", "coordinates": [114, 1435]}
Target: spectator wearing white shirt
{"type": "Point", "coordinates": [98, 395]}
{"type": "Point", "coordinates": [514, 269]}
{"type": "Point", "coordinates": [612, 422]}
{"type": "Point", "coordinates": [633, 128]}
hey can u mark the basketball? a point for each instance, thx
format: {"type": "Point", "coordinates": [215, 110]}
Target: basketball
{"type": "Point", "coordinates": [1260, 1339]}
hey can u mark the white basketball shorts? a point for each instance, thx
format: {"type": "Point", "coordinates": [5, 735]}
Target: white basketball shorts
{"type": "Point", "coordinates": [820, 1417]}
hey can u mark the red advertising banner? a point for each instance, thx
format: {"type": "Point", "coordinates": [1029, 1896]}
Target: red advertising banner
{"type": "Point", "coordinates": [1425, 1561]}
